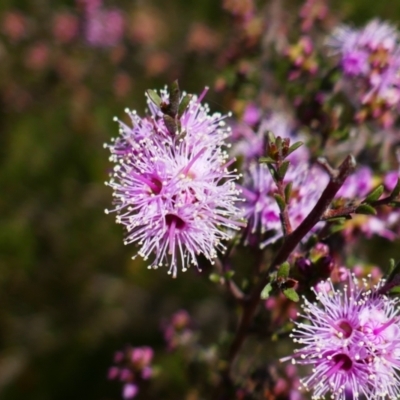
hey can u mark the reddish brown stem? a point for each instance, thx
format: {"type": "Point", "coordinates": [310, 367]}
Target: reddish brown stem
{"type": "Point", "coordinates": [231, 286]}
{"type": "Point", "coordinates": [284, 214]}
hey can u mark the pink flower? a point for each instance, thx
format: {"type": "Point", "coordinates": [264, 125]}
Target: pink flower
{"type": "Point", "coordinates": [351, 338]}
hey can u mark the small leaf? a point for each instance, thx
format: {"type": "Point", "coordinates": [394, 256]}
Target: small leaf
{"type": "Point", "coordinates": [174, 95]}
{"type": "Point", "coordinates": [229, 274]}
{"type": "Point", "coordinates": [284, 269]}
{"type": "Point", "coordinates": [154, 97]}
{"type": "Point", "coordinates": [291, 294]}
{"type": "Point", "coordinates": [288, 192]}
{"type": "Point", "coordinates": [294, 147]}
{"type": "Point", "coordinates": [271, 137]}
{"type": "Point", "coordinates": [273, 172]}
{"type": "Point", "coordinates": [266, 291]}
{"type": "Point", "coordinates": [396, 190]}
{"type": "Point", "coordinates": [170, 124]}
{"type": "Point", "coordinates": [267, 160]}
{"type": "Point", "coordinates": [392, 264]}
{"type": "Point", "coordinates": [374, 194]}
{"type": "Point", "coordinates": [281, 202]}
{"type": "Point", "coordinates": [278, 142]}
{"type": "Point", "coordinates": [215, 278]}
{"type": "Point", "coordinates": [283, 169]}
{"type": "Point", "coordinates": [395, 270]}
{"type": "Point", "coordinates": [336, 228]}
{"type": "Point", "coordinates": [286, 144]}
{"type": "Point", "coordinates": [340, 220]}
{"type": "Point", "coordinates": [184, 104]}
{"type": "Point", "coordinates": [365, 209]}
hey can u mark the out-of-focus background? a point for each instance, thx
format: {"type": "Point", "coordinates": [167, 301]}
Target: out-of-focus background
{"type": "Point", "coordinates": [70, 294]}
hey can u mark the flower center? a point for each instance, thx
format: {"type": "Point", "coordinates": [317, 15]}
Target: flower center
{"type": "Point", "coordinates": [342, 361]}
{"type": "Point", "coordinates": [173, 220]}
{"type": "Point", "coordinates": [156, 185]}
{"type": "Point", "coordinates": [345, 329]}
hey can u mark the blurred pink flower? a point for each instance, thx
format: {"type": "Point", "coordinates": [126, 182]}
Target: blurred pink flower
{"type": "Point", "coordinates": [65, 27]}
{"type": "Point", "coordinates": [103, 27]}
{"type": "Point", "coordinates": [14, 25]}
{"type": "Point", "coordinates": [37, 56]}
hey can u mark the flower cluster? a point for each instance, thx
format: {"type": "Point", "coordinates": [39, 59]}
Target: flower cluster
{"type": "Point", "coordinates": [178, 331]}
{"type": "Point", "coordinates": [261, 208]}
{"type": "Point", "coordinates": [133, 368]}
{"type": "Point", "coordinates": [351, 338]}
{"type": "Point", "coordinates": [173, 191]}
{"type": "Point", "coordinates": [258, 186]}
{"type": "Point", "coordinates": [370, 60]}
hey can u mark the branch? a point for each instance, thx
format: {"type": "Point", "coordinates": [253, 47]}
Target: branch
{"type": "Point", "coordinates": [346, 211]}
{"type": "Point", "coordinates": [290, 243]}
{"type": "Point", "coordinates": [231, 286]}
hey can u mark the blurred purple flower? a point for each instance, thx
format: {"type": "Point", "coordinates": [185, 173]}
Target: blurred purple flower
{"type": "Point", "coordinates": [370, 61]}
{"type": "Point", "coordinates": [351, 338]}
{"type": "Point", "coordinates": [103, 27]}
{"type": "Point", "coordinates": [130, 391]}
{"type": "Point", "coordinates": [251, 144]}
{"type": "Point", "coordinates": [133, 366]}
{"type": "Point", "coordinates": [357, 185]}
{"type": "Point", "coordinates": [178, 330]}
{"type": "Point", "coordinates": [251, 115]}
{"type": "Point", "coordinates": [390, 180]}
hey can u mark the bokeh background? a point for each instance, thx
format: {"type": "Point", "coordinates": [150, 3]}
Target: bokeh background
{"type": "Point", "coordinates": [70, 294]}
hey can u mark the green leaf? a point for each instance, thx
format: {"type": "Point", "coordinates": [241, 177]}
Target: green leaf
{"type": "Point", "coordinates": [273, 172]}
{"type": "Point", "coordinates": [267, 160]}
{"type": "Point", "coordinates": [278, 142]}
{"type": "Point", "coordinates": [266, 291]}
{"type": "Point", "coordinates": [394, 270]}
{"type": "Point", "coordinates": [392, 264]}
{"type": "Point", "coordinates": [284, 269]}
{"type": "Point", "coordinates": [365, 209]}
{"type": "Point", "coordinates": [288, 192]}
{"type": "Point", "coordinates": [395, 290]}
{"type": "Point", "coordinates": [340, 134]}
{"type": "Point", "coordinates": [294, 147]}
{"type": "Point", "coordinates": [374, 194]}
{"type": "Point", "coordinates": [229, 274]}
{"type": "Point", "coordinates": [291, 294]}
{"type": "Point", "coordinates": [154, 97]}
{"type": "Point", "coordinates": [340, 220]}
{"type": "Point", "coordinates": [336, 228]}
{"type": "Point", "coordinates": [170, 124]}
{"type": "Point", "coordinates": [271, 137]}
{"type": "Point", "coordinates": [174, 95]}
{"type": "Point", "coordinates": [183, 104]}
{"type": "Point", "coordinates": [281, 202]}
{"type": "Point", "coordinates": [215, 278]}
{"type": "Point", "coordinates": [283, 169]}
